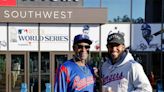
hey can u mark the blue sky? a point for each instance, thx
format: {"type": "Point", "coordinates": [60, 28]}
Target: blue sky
{"type": "Point", "coordinates": [119, 7]}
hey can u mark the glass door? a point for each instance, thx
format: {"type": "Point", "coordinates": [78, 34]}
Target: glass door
{"type": "Point", "coordinates": [57, 59]}
{"type": "Point", "coordinates": [34, 72]}
{"type": "Point", "coordinates": [39, 71]}
{"type": "Point", "coordinates": [3, 81]}
{"type": "Point", "coordinates": [17, 74]}
{"type": "Point", "coordinates": [45, 71]}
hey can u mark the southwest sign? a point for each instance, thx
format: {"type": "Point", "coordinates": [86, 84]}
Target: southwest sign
{"type": "Point", "coordinates": [53, 15]}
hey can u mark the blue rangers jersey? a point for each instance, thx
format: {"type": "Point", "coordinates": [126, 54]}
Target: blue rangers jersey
{"type": "Point", "coordinates": [72, 78]}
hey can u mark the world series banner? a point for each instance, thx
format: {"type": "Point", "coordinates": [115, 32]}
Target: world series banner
{"type": "Point", "coordinates": [7, 2]}
{"type": "Point", "coordinates": [23, 37]}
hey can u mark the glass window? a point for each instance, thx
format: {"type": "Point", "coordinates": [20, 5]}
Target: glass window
{"type": "Point", "coordinates": [45, 62]}
{"type": "Point", "coordinates": [45, 70]}
{"type": "Point", "coordinates": [45, 79]}
{"type": "Point", "coordinates": [2, 72]}
{"type": "Point", "coordinates": [118, 10]}
{"type": "Point", "coordinates": [60, 59]}
{"type": "Point", "coordinates": [91, 3]}
{"type": "Point", "coordinates": [95, 59]}
{"type": "Point", "coordinates": [17, 71]}
{"type": "Point", "coordinates": [34, 71]}
{"type": "Point", "coordinates": [34, 62]}
{"type": "Point", "coordinates": [138, 11]}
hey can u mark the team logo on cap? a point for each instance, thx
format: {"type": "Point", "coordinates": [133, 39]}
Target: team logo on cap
{"type": "Point", "coordinates": [114, 37]}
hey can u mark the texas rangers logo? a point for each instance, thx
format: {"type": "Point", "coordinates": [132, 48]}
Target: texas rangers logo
{"type": "Point", "coordinates": [79, 83]}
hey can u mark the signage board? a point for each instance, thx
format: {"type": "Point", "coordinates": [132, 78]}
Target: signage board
{"type": "Point", "coordinates": [146, 37]}
{"type": "Point", "coordinates": [92, 30]}
{"type": "Point", "coordinates": [3, 37]}
{"type": "Point", "coordinates": [23, 37]}
{"type": "Point", "coordinates": [55, 37]}
{"type": "Point", "coordinates": [7, 3]}
{"type": "Point", "coordinates": [114, 28]}
{"type": "Point", "coordinates": [53, 15]}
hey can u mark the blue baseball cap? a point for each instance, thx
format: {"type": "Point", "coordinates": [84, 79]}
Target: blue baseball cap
{"type": "Point", "coordinates": [82, 38]}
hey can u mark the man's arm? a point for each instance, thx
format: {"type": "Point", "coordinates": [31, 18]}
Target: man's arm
{"type": "Point", "coordinates": [140, 80]}
{"type": "Point", "coordinates": [61, 80]}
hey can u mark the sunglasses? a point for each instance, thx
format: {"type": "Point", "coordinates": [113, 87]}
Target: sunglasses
{"type": "Point", "coordinates": [83, 46]}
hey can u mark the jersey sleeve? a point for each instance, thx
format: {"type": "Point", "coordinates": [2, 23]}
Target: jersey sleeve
{"type": "Point", "coordinates": [61, 79]}
{"type": "Point", "coordinates": [140, 80]}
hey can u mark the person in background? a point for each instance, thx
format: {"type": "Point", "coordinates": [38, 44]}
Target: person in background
{"type": "Point", "coordinates": [120, 72]}
{"type": "Point", "coordinates": [152, 79]}
{"type": "Point", "coordinates": [75, 75]}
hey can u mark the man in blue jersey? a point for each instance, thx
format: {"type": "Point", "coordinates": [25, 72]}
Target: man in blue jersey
{"type": "Point", "coordinates": [75, 75]}
{"type": "Point", "coordinates": [120, 72]}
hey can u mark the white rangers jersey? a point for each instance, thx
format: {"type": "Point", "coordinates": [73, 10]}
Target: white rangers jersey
{"type": "Point", "coordinates": [126, 75]}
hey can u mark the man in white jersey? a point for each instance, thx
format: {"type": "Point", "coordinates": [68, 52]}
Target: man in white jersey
{"type": "Point", "coordinates": [120, 72]}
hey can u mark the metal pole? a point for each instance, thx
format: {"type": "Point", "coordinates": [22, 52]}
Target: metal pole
{"type": "Point", "coordinates": [100, 3]}
{"type": "Point", "coordinates": [131, 23]}
{"type": "Point", "coordinates": [161, 70]}
{"type": "Point", "coordinates": [39, 59]}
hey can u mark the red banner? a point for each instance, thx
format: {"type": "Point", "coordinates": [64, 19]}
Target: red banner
{"type": "Point", "coordinates": [7, 2]}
